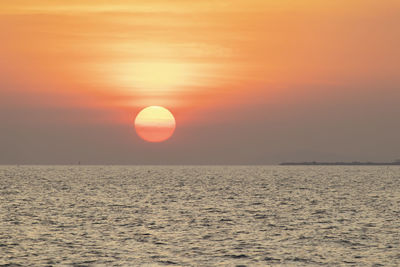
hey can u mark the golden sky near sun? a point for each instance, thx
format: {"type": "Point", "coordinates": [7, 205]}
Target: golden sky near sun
{"type": "Point", "coordinates": [178, 52]}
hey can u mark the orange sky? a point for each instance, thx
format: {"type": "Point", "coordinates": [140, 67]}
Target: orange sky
{"type": "Point", "coordinates": [195, 57]}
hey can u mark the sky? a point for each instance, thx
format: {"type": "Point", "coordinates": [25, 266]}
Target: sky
{"type": "Point", "coordinates": [248, 81]}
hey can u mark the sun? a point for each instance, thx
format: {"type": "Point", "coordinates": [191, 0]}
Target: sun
{"type": "Point", "coordinates": [155, 124]}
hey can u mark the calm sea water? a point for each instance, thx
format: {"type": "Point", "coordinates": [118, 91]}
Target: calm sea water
{"type": "Point", "coordinates": [199, 216]}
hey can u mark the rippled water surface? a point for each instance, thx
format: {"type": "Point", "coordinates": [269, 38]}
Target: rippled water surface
{"type": "Point", "coordinates": [199, 216]}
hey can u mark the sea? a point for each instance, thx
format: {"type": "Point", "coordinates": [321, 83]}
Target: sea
{"type": "Point", "coordinates": [200, 216]}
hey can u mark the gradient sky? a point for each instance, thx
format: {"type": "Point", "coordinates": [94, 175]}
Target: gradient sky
{"type": "Point", "coordinates": [249, 81]}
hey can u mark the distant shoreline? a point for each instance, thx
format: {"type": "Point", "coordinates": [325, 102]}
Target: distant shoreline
{"type": "Point", "coordinates": [354, 163]}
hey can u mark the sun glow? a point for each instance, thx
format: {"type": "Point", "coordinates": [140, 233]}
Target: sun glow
{"type": "Point", "coordinates": [153, 77]}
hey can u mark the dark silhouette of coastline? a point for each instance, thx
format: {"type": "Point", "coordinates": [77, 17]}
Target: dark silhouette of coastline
{"type": "Point", "coordinates": [354, 163]}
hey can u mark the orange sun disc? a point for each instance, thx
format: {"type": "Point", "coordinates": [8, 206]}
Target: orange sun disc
{"type": "Point", "coordinates": [155, 124]}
